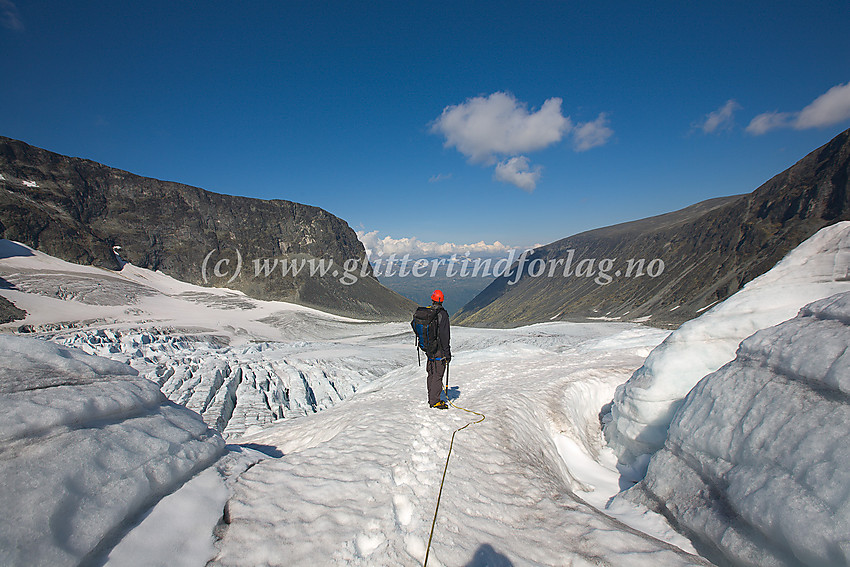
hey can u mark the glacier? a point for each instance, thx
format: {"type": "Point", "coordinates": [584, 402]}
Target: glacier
{"type": "Point", "coordinates": [756, 465]}
{"type": "Point", "coordinates": [280, 435]}
{"type": "Point", "coordinates": [87, 446]}
{"type": "Point", "coordinates": [644, 406]}
{"type": "Point", "coordinates": [332, 455]}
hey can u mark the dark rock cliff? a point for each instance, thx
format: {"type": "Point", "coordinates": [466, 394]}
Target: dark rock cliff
{"type": "Point", "coordinates": [708, 250]}
{"type": "Point", "coordinates": [78, 210]}
{"type": "Point", "coordinates": [8, 311]}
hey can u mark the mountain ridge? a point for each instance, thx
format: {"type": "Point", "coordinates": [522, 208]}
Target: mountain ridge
{"type": "Point", "coordinates": [79, 210]}
{"type": "Point", "coordinates": [709, 250]}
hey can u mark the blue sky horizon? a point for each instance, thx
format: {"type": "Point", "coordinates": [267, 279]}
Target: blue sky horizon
{"type": "Point", "coordinates": [440, 122]}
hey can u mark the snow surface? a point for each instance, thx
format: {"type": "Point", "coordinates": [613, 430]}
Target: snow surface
{"type": "Point", "coordinates": [644, 406]}
{"type": "Point", "coordinates": [30, 364]}
{"type": "Point", "coordinates": [338, 458]}
{"type": "Point", "coordinates": [85, 446]}
{"type": "Point", "coordinates": [216, 351]}
{"type": "Point", "coordinates": [60, 295]}
{"type": "Point", "coordinates": [756, 465]}
{"type": "Point", "coordinates": [180, 530]}
{"type": "Point", "coordinates": [356, 484]}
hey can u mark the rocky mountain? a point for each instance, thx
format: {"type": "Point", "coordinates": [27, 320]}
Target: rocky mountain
{"type": "Point", "coordinates": [667, 269]}
{"type": "Point", "coordinates": [8, 311]}
{"type": "Point", "coordinates": [80, 211]}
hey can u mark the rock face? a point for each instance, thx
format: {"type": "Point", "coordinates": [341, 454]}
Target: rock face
{"type": "Point", "coordinates": [708, 250]}
{"type": "Point", "coordinates": [756, 466]}
{"type": "Point", "coordinates": [8, 311]}
{"type": "Point", "coordinates": [78, 210]}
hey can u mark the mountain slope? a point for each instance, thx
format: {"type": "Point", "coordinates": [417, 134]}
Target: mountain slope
{"type": "Point", "coordinates": [9, 312]}
{"type": "Point", "coordinates": [709, 251]}
{"type": "Point", "coordinates": [77, 210]}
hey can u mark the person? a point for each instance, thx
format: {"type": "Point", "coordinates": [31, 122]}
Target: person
{"type": "Point", "coordinates": [436, 365]}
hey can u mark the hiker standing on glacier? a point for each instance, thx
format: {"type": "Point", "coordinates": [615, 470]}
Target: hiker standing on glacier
{"type": "Point", "coordinates": [431, 325]}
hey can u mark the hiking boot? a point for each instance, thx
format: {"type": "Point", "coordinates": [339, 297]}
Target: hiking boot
{"type": "Point", "coordinates": [440, 405]}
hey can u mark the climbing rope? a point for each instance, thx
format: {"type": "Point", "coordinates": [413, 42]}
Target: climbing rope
{"type": "Point", "coordinates": [443, 481]}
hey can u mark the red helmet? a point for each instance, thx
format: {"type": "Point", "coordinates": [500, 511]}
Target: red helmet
{"type": "Point", "coordinates": [437, 296]}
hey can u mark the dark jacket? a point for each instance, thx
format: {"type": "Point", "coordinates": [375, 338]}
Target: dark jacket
{"type": "Point", "coordinates": [444, 350]}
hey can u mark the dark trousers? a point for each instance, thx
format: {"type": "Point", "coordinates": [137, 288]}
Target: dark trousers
{"type": "Point", "coordinates": [436, 369]}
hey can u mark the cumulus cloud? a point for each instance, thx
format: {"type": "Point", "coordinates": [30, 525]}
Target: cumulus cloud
{"type": "Point", "coordinates": [377, 245]}
{"type": "Point", "coordinates": [483, 128]}
{"type": "Point", "coordinates": [516, 171]}
{"type": "Point", "coordinates": [589, 135]}
{"type": "Point", "coordinates": [497, 129]}
{"type": "Point", "coordinates": [830, 108]}
{"type": "Point", "coordinates": [721, 119]}
{"type": "Point", "coordinates": [439, 177]}
{"type": "Point", "coordinates": [10, 17]}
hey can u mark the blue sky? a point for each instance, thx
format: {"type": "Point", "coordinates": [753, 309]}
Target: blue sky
{"type": "Point", "coordinates": [518, 122]}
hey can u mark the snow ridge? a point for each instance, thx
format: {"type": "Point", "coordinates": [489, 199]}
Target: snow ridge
{"type": "Point", "coordinates": [756, 466]}
{"type": "Point", "coordinates": [80, 461]}
{"type": "Point", "coordinates": [644, 406]}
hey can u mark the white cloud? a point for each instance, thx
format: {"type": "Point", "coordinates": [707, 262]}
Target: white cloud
{"type": "Point", "coordinates": [439, 177]}
{"type": "Point", "coordinates": [721, 119]}
{"type": "Point", "coordinates": [483, 128]}
{"type": "Point", "coordinates": [830, 108]}
{"type": "Point", "coordinates": [769, 121]}
{"type": "Point", "coordinates": [589, 135]}
{"type": "Point", "coordinates": [10, 17]}
{"type": "Point", "coordinates": [516, 171]}
{"type": "Point", "coordinates": [496, 129]}
{"type": "Point", "coordinates": [377, 245]}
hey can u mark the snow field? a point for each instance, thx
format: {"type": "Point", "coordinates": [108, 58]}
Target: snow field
{"type": "Point", "coordinates": [60, 295]}
{"type": "Point", "coordinates": [361, 477]}
{"type": "Point", "coordinates": [358, 482]}
{"type": "Point", "coordinates": [353, 484]}
{"type": "Point", "coordinates": [179, 530]}
{"type": "Point", "coordinates": [80, 461]}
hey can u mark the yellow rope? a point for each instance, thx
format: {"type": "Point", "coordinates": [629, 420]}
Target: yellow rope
{"type": "Point", "coordinates": [443, 481]}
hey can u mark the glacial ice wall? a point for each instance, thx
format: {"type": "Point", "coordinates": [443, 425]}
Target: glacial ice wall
{"type": "Point", "coordinates": [86, 445]}
{"type": "Point", "coordinates": [756, 465]}
{"type": "Point", "coordinates": [644, 406]}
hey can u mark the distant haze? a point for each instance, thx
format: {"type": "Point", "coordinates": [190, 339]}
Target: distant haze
{"type": "Point", "coordinates": [458, 291]}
